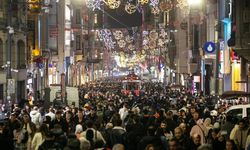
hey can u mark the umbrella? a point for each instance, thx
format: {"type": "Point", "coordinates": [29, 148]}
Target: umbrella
{"type": "Point", "coordinates": [227, 94]}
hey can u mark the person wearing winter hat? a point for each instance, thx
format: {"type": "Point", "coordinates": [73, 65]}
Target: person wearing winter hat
{"type": "Point", "coordinates": [78, 130]}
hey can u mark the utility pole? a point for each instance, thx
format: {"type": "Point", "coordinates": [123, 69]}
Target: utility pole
{"type": "Point", "coordinates": [9, 82]}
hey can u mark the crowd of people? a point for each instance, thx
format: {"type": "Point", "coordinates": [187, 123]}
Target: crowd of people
{"type": "Point", "coordinates": [157, 119]}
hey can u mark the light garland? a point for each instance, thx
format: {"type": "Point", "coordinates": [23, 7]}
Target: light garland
{"type": "Point", "coordinates": [106, 36]}
{"type": "Point", "coordinates": [124, 45]}
{"type": "Point", "coordinates": [156, 5]}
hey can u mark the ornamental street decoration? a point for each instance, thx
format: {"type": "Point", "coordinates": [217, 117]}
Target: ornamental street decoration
{"type": "Point", "coordinates": [131, 6]}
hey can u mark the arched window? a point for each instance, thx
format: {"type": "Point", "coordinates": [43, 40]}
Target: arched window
{"type": "Point", "coordinates": [21, 54]}
{"type": "Point", "coordinates": [12, 54]}
{"type": "Point", "coordinates": [1, 53]}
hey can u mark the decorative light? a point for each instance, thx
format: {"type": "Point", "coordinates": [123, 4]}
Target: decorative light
{"type": "Point", "coordinates": [183, 3]}
{"type": "Point", "coordinates": [121, 43]}
{"type": "Point", "coordinates": [144, 33]}
{"type": "Point", "coordinates": [155, 10]}
{"type": "Point", "coordinates": [112, 4]}
{"type": "Point", "coordinates": [145, 41]}
{"type": "Point", "coordinates": [146, 47]}
{"type": "Point", "coordinates": [130, 8]}
{"type": "Point", "coordinates": [163, 33]}
{"type": "Point", "coordinates": [118, 34]}
{"type": "Point", "coordinates": [106, 36]}
{"type": "Point", "coordinates": [153, 35]}
{"type": "Point", "coordinates": [131, 47]}
{"type": "Point", "coordinates": [166, 6]}
{"type": "Point", "coordinates": [143, 2]}
{"type": "Point", "coordinates": [128, 39]}
{"type": "Point", "coordinates": [154, 3]}
{"type": "Point", "coordinates": [161, 42]}
{"type": "Point", "coordinates": [94, 4]}
{"type": "Point", "coordinates": [36, 52]}
{"type": "Point", "coordinates": [152, 44]}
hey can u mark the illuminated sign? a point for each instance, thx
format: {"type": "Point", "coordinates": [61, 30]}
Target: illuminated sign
{"type": "Point", "coordinates": [209, 47]}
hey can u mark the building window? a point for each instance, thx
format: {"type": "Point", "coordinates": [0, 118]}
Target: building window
{"type": "Point", "coordinates": [78, 42]}
{"type": "Point", "coordinates": [78, 16]}
{"type": "Point", "coordinates": [1, 53]}
{"type": "Point", "coordinates": [13, 53]}
{"type": "Point", "coordinates": [21, 54]}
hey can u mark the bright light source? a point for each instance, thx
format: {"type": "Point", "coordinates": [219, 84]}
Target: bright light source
{"type": "Point", "coordinates": [194, 2]}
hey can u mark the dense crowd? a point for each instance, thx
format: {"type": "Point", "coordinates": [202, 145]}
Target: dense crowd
{"type": "Point", "coordinates": [158, 119]}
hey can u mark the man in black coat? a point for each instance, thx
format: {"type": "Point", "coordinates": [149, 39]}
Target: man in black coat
{"type": "Point", "coordinates": [6, 141]}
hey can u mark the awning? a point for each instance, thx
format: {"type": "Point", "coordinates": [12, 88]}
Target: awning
{"type": "Point", "coordinates": [243, 52]}
{"type": "Point", "coordinates": [228, 94]}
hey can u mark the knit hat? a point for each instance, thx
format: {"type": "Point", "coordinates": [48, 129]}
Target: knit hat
{"type": "Point", "coordinates": [78, 129]}
{"type": "Point", "coordinates": [216, 125]}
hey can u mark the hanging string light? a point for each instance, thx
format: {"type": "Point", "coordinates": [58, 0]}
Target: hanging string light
{"type": "Point", "coordinates": [155, 5]}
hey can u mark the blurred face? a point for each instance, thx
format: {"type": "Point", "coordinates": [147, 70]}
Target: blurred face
{"type": "Point", "coordinates": [221, 138]}
{"type": "Point", "coordinates": [68, 115]}
{"type": "Point", "coordinates": [192, 110]}
{"type": "Point", "coordinates": [80, 114]}
{"type": "Point", "coordinates": [196, 140]}
{"type": "Point", "coordinates": [26, 118]}
{"type": "Point", "coordinates": [177, 133]}
{"type": "Point", "coordinates": [195, 116]}
{"type": "Point", "coordinates": [163, 125]}
{"type": "Point", "coordinates": [12, 118]}
{"type": "Point", "coordinates": [172, 145]}
{"type": "Point", "coordinates": [58, 116]}
{"type": "Point", "coordinates": [214, 135]}
{"type": "Point", "coordinates": [229, 145]}
{"type": "Point", "coordinates": [183, 127]}
{"type": "Point", "coordinates": [241, 125]}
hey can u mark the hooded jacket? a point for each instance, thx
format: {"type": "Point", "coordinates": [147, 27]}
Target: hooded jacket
{"type": "Point", "coordinates": [36, 117]}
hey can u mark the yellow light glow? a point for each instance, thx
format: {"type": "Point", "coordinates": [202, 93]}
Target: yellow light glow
{"type": "Point", "coordinates": [235, 76]}
{"type": "Point", "coordinates": [36, 52]}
